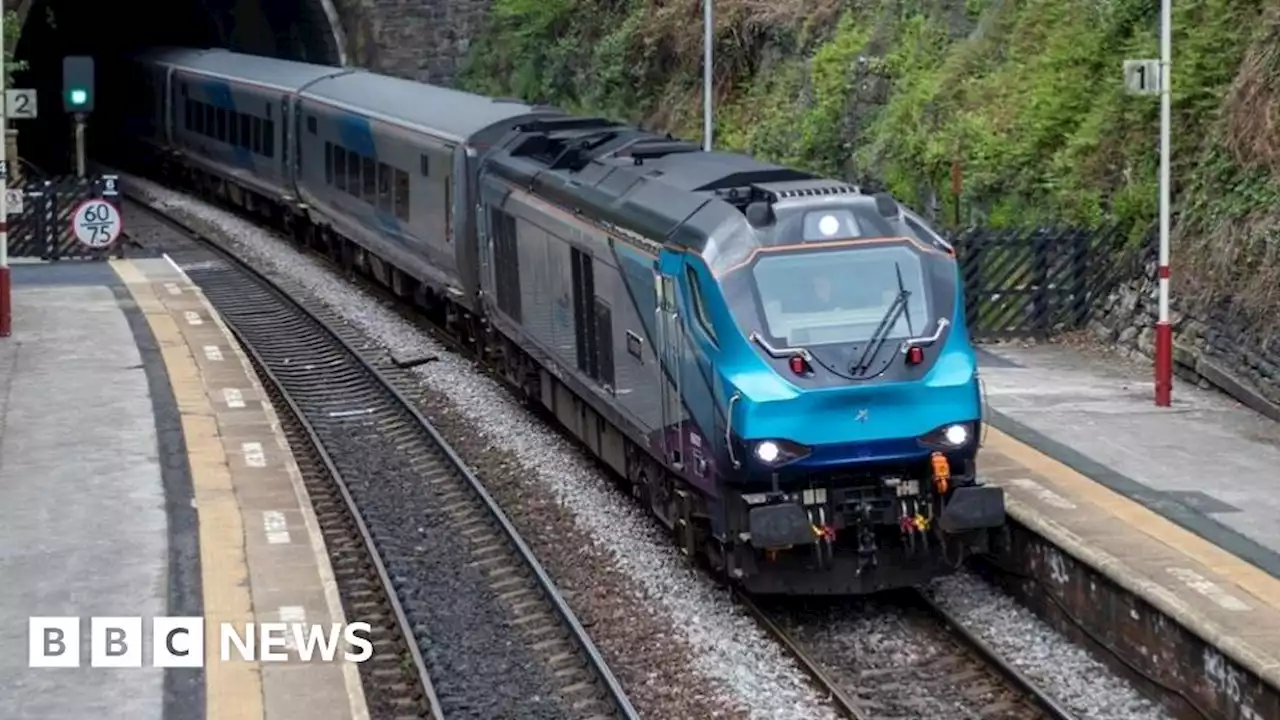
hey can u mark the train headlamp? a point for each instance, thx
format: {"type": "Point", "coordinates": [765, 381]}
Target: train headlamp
{"type": "Point", "coordinates": [775, 453]}
{"type": "Point", "coordinates": [767, 452]}
{"type": "Point", "coordinates": [951, 436]}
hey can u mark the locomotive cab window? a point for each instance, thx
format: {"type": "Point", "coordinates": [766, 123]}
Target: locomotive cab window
{"type": "Point", "coordinates": [808, 300]}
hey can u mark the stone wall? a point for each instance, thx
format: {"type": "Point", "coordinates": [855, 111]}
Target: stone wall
{"type": "Point", "coordinates": [1211, 348]}
{"type": "Point", "coordinates": [424, 40]}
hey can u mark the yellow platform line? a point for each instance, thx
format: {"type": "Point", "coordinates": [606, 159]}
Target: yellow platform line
{"type": "Point", "coordinates": [233, 691]}
{"type": "Point", "coordinates": [1258, 583]}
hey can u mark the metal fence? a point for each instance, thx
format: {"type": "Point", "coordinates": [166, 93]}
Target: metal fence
{"type": "Point", "coordinates": [1039, 282]}
{"type": "Point", "coordinates": [42, 228]}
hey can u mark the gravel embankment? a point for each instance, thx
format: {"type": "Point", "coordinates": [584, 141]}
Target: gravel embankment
{"type": "Point", "coordinates": [674, 639]}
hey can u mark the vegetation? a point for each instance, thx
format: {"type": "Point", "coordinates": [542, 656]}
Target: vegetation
{"type": "Point", "coordinates": [1024, 97]}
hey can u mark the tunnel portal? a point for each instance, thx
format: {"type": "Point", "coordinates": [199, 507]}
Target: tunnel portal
{"type": "Point", "coordinates": [305, 30]}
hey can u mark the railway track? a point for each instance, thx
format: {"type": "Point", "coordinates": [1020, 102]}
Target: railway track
{"type": "Point", "coordinates": [983, 684]}
{"type": "Point", "coordinates": [361, 444]}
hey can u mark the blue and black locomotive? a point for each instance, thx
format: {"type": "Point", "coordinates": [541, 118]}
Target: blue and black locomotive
{"type": "Point", "coordinates": [776, 363]}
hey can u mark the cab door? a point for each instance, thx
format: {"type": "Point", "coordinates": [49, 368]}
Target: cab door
{"type": "Point", "coordinates": [670, 340]}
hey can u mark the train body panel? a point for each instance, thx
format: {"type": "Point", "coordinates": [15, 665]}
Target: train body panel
{"type": "Point", "coordinates": [777, 363]}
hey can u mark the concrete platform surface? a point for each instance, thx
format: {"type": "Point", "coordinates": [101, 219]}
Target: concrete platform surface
{"type": "Point", "coordinates": [82, 494]}
{"type": "Point", "coordinates": [1208, 463]}
{"type": "Point", "coordinates": [1176, 505]}
{"type": "Point", "coordinates": [141, 475]}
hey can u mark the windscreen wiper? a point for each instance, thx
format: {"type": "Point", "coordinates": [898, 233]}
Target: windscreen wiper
{"type": "Point", "coordinates": [876, 341]}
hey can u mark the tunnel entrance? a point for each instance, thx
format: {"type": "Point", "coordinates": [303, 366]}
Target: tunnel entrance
{"type": "Point", "coordinates": [52, 29]}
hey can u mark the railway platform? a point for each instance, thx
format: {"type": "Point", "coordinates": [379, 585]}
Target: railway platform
{"type": "Point", "coordinates": [143, 475]}
{"type": "Point", "coordinates": [1176, 505]}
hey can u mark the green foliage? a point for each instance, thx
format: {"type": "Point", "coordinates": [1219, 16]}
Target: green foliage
{"type": "Point", "coordinates": [1024, 95]}
{"type": "Point", "coordinates": [12, 29]}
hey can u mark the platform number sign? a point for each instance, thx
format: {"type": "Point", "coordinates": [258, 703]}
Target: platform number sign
{"type": "Point", "coordinates": [20, 104]}
{"type": "Point", "coordinates": [96, 224]}
{"type": "Point", "coordinates": [1142, 77]}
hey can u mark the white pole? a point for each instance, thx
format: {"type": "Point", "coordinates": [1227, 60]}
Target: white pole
{"type": "Point", "coordinates": [1164, 332]}
{"type": "Point", "coordinates": [6, 306]}
{"type": "Point", "coordinates": [708, 39]}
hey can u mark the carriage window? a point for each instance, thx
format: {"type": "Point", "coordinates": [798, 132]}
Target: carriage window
{"type": "Point", "coordinates": [269, 138]}
{"type": "Point", "coordinates": [448, 213]}
{"type": "Point", "coordinates": [198, 109]}
{"type": "Point", "coordinates": [328, 163]}
{"type": "Point", "coordinates": [311, 124]}
{"type": "Point", "coordinates": [221, 118]}
{"type": "Point", "coordinates": [425, 162]}
{"type": "Point", "coordinates": [339, 167]}
{"type": "Point", "coordinates": [186, 114]}
{"type": "Point", "coordinates": [402, 194]}
{"type": "Point", "coordinates": [246, 132]}
{"type": "Point", "coordinates": [208, 120]}
{"type": "Point", "coordinates": [384, 187]}
{"type": "Point", "coordinates": [370, 170]}
{"type": "Point", "coordinates": [233, 128]}
{"type": "Point", "coordinates": [256, 123]}
{"type": "Point", "coordinates": [353, 173]}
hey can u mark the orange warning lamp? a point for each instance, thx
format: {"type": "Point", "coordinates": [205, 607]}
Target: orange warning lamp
{"type": "Point", "coordinates": [941, 472]}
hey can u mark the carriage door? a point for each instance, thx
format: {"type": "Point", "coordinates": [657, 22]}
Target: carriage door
{"type": "Point", "coordinates": [670, 340]}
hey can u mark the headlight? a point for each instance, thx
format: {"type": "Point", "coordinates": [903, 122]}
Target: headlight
{"type": "Point", "coordinates": [949, 437]}
{"type": "Point", "coordinates": [775, 453]}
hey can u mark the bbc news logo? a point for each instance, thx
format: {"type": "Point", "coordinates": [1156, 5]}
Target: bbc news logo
{"type": "Point", "coordinates": [179, 642]}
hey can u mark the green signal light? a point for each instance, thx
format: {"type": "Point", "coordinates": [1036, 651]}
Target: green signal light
{"type": "Point", "coordinates": [79, 97]}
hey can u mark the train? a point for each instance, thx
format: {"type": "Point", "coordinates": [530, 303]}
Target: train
{"type": "Point", "coordinates": [775, 364]}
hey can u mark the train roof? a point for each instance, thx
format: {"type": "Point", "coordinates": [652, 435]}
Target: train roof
{"type": "Point", "coordinates": [284, 75]}
{"type": "Point", "coordinates": [452, 113]}
{"type": "Point", "coordinates": [648, 183]}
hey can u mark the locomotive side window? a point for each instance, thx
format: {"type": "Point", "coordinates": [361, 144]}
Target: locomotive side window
{"type": "Point", "coordinates": [402, 194]}
{"type": "Point", "coordinates": [328, 163]}
{"type": "Point", "coordinates": [311, 124]}
{"type": "Point", "coordinates": [425, 164]}
{"type": "Point", "coordinates": [246, 132]}
{"type": "Point", "coordinates": [186, 113]}
{"type": "Point", "coordinates": [699, 304]}
{"type": "Point", "coordinates": [208, 120]}
{"type": "Point", "coordinates": [233, 129]}
{"type": "Point", "coordinates": [220, 121]}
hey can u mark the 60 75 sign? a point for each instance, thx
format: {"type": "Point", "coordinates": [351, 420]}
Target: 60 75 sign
{"type": "Point", "coordinates": [96, 224]}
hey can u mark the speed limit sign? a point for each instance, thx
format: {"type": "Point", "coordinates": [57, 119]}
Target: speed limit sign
{"type": "Point", "coordinates": [96, 224]}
